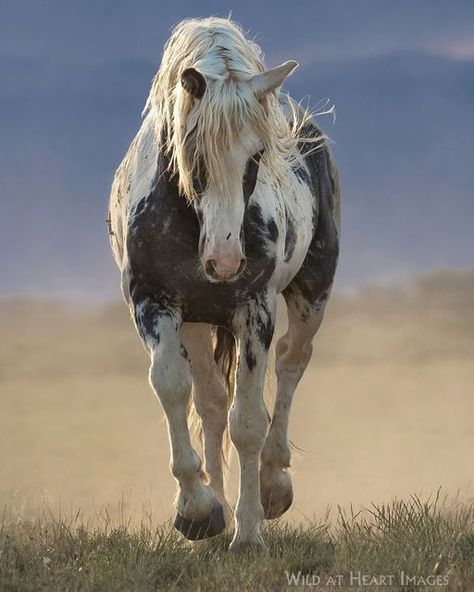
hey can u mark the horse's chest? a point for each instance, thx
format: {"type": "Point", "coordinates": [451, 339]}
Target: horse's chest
{"type": "Point", "coordinates": [162, 245]}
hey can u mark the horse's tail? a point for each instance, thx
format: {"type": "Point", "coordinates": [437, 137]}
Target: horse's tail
{"type": "Point", "coordinates": [225, 355]}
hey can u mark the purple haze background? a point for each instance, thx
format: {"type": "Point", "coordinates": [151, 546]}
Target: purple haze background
{"type": "Point", "coordinates": [75, 75]}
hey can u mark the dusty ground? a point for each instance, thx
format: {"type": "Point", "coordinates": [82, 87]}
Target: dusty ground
{"type": "Point", "coordinates": [385, 409]}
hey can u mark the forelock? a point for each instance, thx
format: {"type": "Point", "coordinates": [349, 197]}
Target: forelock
{"type": "Point", "coordinates": [218, 49]}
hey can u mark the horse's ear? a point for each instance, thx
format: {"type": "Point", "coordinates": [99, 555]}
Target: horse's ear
{"type": "Point", "coordinates": [272, 79]}
{"type": "Point", "coordinates": [193, 82]}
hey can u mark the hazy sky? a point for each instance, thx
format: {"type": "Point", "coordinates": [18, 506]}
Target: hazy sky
{"type": "Point", "coordinates": [75, 74]}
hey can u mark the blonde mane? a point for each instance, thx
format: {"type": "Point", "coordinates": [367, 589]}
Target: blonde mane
{"type": "Point", "coordinates": [218, 49]}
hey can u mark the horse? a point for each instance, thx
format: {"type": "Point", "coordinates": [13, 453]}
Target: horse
{"type": "Point", "coordinates": [227, 197]}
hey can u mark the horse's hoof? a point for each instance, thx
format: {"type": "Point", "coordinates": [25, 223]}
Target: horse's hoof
{"type": "Point", "coordinates": [275, 503]}
{"type": "Point", "coordinates": [195, 530]}
{"type": "Point", "coordinates": [248, 547]}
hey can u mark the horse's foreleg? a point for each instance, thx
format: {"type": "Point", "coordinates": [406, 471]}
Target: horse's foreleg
{"type": "Point", "coordinates": [210, 400]}
{"type": "Point", "coordinates": [293, 354]}
{"type": "Point", "coordinates": [248, 420]}
{"type": "Point", "coordinates": [199, 514]}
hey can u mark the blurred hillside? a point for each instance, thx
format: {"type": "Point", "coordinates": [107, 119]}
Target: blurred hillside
{"type": "Point", "coordinates": [429, 317]}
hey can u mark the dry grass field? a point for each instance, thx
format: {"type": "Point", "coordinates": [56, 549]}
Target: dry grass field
{"type": "Point", "coordinates": [385, 410]}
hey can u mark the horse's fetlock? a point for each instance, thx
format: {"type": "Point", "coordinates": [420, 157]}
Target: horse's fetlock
{"type": "Point", "coordinates": [186, 468]}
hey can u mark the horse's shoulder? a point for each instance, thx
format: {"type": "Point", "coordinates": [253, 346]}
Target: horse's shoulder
{"type": "Point", "coordinates": [135, 176]}
{"type": "Point", "coordinates": [133, 181]}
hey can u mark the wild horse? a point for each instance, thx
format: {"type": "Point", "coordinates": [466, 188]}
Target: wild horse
{"type": "Point", "coordinates": [227, 197]}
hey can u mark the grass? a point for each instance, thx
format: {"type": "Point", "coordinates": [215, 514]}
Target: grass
{"type": "Point", "coordinates": [427, 543]}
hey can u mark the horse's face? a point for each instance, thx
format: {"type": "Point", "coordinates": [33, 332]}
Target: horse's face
{"type": "Point", "coordinates": [221, 217]}
{"type": "Point", "coordinates": [221, 241]}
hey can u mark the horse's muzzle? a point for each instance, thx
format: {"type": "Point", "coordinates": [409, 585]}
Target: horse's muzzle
{"type": "Point", "coordinates": [222, 272]}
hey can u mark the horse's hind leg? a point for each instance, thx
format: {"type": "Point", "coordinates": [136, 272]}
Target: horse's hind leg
{"type": "Point", "coordinates": [199, 514]}
{"type": "Point", "coordinates": [293, 353]}
{"type": "Point", "coordinates": [210, 400]}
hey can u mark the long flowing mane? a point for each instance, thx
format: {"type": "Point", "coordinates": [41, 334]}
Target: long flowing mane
{"type": "Point", "coordinates": [218, 49]}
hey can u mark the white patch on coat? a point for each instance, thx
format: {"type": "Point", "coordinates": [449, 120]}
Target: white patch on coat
{"type": "Point", "coordinates": [132, 182]}
{"type": "Point", "coordinates": [298, 202]}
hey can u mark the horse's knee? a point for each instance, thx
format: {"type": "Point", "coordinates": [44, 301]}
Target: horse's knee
{"type": "Point", "coordinates": [170, 375]}
{"type": "Point", "coordinates": [248, 427]}
{"type": "Point", "coordinates": [294, 361]}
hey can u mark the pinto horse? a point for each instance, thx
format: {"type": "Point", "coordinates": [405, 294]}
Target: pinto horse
{"type": "Point", "coordinates": [227, 197]}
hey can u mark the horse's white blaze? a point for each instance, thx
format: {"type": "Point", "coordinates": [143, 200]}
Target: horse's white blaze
{"type": "Point", "coordinates": [221, 227]}
{"type": "Point", "coordinates": [223, 215]}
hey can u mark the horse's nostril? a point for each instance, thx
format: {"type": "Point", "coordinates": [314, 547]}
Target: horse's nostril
{"type": "Point", "coordinates": [243, 263]}
{"type": "Point", "coordinates": [210, 266]}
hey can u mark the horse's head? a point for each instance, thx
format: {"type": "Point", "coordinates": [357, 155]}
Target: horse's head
{"type": "Point", "coordinates": [225, 174]}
